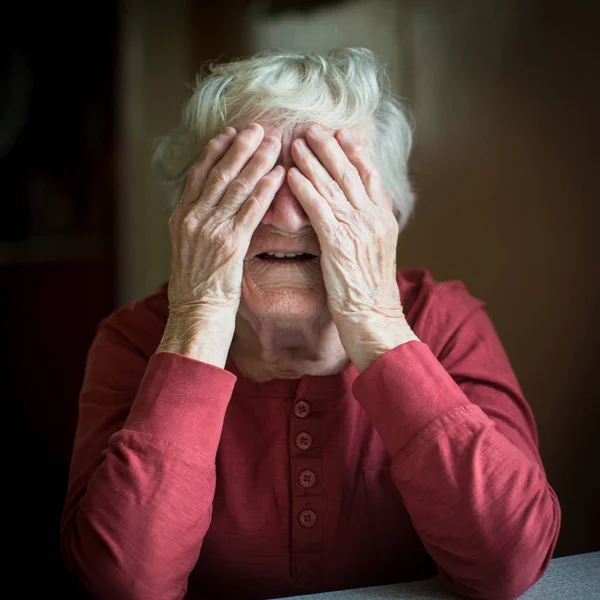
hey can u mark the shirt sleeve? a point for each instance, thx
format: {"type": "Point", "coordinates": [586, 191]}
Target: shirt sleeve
{"type": "Point", "coordinates": [142, 475]}
{"type": "Point", "coordinates": [465, 455]}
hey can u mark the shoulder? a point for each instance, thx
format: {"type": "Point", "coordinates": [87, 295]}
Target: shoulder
{"type": "Point", "coordinates": [436, 309]}
{"type": "Point", "coordinates": [140, 323]}
{"type": "Point", "coordinates": [421, 293]}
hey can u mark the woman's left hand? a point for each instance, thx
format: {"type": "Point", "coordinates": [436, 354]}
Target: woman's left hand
{"type": "Point", "coordinates": [344, 197]}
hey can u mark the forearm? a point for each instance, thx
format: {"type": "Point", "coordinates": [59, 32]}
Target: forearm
{"type": "Point", "coordinates": [134, 528]}
{"type": "Point", "coordinates": [482, 506]}
{"type": "Point", "coordinates": [137, 531]}
{"type": "Point", "coordinates": [484, 511]}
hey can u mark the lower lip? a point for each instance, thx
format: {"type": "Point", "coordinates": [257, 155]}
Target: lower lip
{"type": "Point", "coordinates": [289, 261]}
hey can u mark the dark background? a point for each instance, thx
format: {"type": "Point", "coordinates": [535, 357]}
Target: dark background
{"type": "Point", "coordinates": [57, 255]}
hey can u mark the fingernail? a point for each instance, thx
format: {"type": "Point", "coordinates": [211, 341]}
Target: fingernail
{"type": "Point", "coordinates": [316, 130]}
{"type": "Point", "coordinates": [254, 127]}
{"type": "Point", "coordinates": [229, 131]}
{"type": "Point", "coordinates": [346, 135]}
{"type": "Point", "coordinates": [300, 144]}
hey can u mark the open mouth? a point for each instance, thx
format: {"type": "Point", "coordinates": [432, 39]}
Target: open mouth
{"type": "Point", "coordinates": [281, 258]}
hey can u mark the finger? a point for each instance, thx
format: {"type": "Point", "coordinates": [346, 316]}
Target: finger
{"type": "Point", "coordinates": [228, 168]}
{"type": "Point", "coordinates": [327, 149]}
{"type": "Point", "coordinates": [242, 186]}
{"type": "Point", "coordinates": [254, 208]}
{"type": "Point", "coordinates": [213, 152]}
{"type": "Point", "coordinates": [321, 180]}
{"type": "Point", "coordinates": [319, 211]}
{"type": "Point", "coordinates": [359, 156]}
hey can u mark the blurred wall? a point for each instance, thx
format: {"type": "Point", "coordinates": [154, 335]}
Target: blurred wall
{"type": "Point", "coordinates": [156, 64]}
{"type": "Point", "coordinates": [506, 98]}
{"type": "Point", "coordinates": [162, 47]}
{"type": "Point", "coordinates": [505, 95]}
{"type": "Point", "coordinates": [381, 25]}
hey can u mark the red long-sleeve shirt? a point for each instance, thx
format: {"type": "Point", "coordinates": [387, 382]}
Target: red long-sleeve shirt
{"type": "Point", "coordinates": [188, 476]}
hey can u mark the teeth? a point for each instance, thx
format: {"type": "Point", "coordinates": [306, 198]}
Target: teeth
{"type": "Point", "coordinates": [282, 255]}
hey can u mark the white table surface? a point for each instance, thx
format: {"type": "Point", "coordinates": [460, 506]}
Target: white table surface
{"type": "Point", "coordinates": [567, 578]}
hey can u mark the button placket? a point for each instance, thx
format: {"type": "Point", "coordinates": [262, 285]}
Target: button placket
{"type": "Point", "coordinates": [307, 530]}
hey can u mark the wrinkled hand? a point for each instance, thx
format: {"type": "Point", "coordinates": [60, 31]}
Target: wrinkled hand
{"type": "Point", "coordinates": [344, 197]}
{"type": "Point", "coordinates": [227, 194]}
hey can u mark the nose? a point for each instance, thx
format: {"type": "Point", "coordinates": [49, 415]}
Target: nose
{"type": "Point", "coordinates": [286, 213]}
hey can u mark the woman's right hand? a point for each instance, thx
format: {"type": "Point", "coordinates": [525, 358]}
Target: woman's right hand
{"type": "Point", "coordinates": [228, 192]}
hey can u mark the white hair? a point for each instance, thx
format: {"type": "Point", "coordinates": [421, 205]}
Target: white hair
{"type": "Point", "coordinates": [343, 88]}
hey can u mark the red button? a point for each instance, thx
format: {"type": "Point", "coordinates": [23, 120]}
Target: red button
{"type": "Point", "coordinates": [301, 409]}
{"type": "Point", "coordinates": [307, 478]}
{"type": "Point", "coordinates": [304, 440]}
{"type": "Point", "coordinates": [307, 518]}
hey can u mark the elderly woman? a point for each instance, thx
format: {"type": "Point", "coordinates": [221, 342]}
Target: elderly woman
{"type": "Point", "coordinates": [291, 414]}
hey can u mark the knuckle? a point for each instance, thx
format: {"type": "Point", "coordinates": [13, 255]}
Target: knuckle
{"type": "Point", "coordinates": [215, 143]}
{"type": "Point", "coordinates": [239, 188]}
{"type": "Point", "coordinates": [333, 189]}
{"type": "Point", "coordinates": [195, 171]}
{"type": "Point", "coordinates": [349, 175]}
{"type": "Point", "coordinates": [263, 188]}
{"type": "Point", "coordinates": [370, 174]}
{"type": "Point", "coordinates": [271, 143]}
{"type": "Point", "coordinates": [253, 199]}
{"type": "Point", "coordinates": [188, 224]}
{"type": "Point", "coordinates": [354, 148]}
{"type": "Point", "coordinates": [263, 161]}
{"type": "Point", "coordinates": [220, 174]}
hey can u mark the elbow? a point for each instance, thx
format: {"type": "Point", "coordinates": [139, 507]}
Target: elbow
{"type": "Point", "coordinates": [511, 580]}
{"type": "Point", "coordinates": [90, 569]}
{"type": "Point", "coordinates": [509, 572]}
{"type": "Point", "coordinates": [507, 582]}
{"type": "Point", "coordinates": [97, 569]}
{"type": "Point", "coordinates": [528, 558]}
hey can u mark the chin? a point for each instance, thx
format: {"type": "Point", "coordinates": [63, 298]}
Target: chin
{"type": "Point", "coordinates": [287, 303]}
{"type": "Point", "coordinates": [288, 292]}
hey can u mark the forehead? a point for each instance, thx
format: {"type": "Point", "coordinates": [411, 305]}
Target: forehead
{"type": "Point", "coordinates": [288, 133]}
